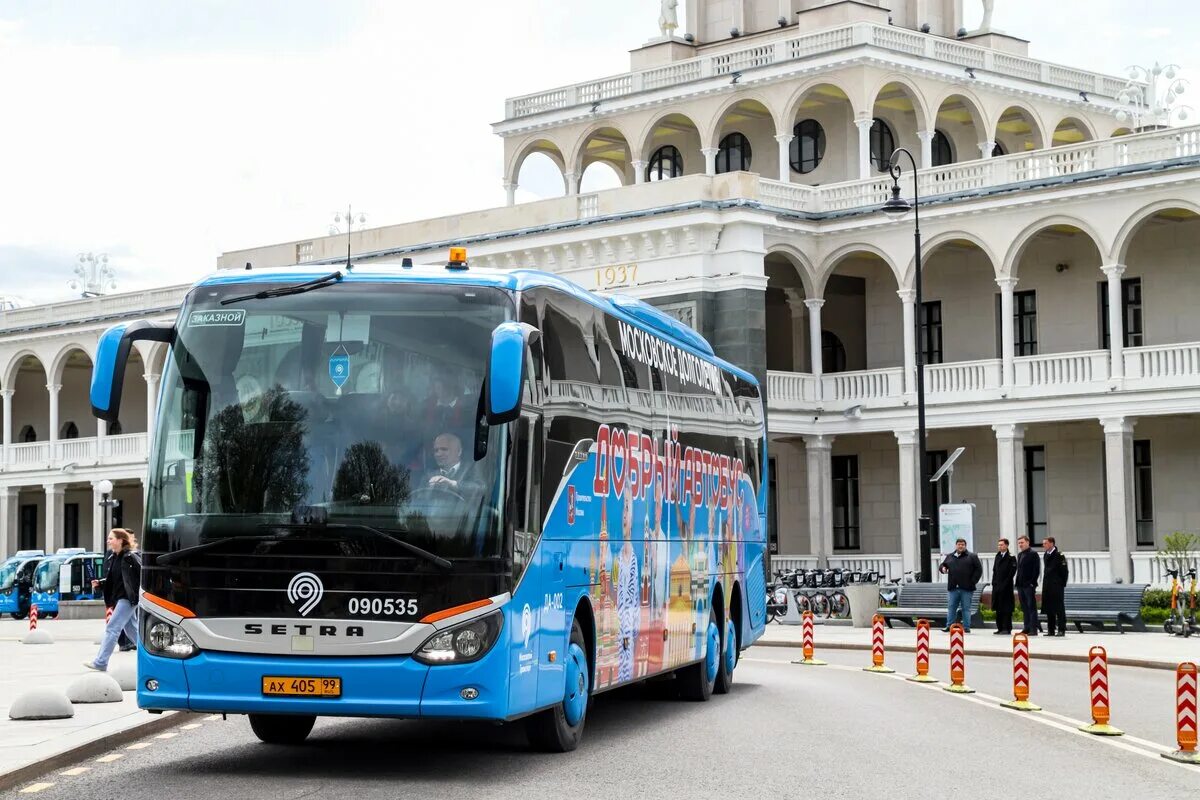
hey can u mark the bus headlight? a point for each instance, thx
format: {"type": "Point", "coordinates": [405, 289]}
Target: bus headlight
{"type": "Point", "coordinates": [161, 638]}
{"type": "Point", "coordinates": [468, 641]}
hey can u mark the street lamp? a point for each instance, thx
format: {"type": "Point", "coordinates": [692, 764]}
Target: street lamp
{"type": "Point", "coordinates": [106, 487]}
{"type": "Point", "coordinates": [1151, 96]}
{"type": "Point", "coordinates": [93, 275]}
{"type": "Point", "coordinates": [897, 206]}
{"type": "Point", "coordinates": [349, 218]}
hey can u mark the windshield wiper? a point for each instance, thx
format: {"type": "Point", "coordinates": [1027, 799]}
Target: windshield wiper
{"type": "Point", "coordinates": [432, 558]}
{"type": "Point", "coordinates": [166, 559]}
{"type": "Point", "coordinates": [280, 291]}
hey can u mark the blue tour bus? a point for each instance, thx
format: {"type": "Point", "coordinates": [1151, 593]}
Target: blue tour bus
{"type": "Point", "coordinates": [66, 575]}
{"type": "Point", "coordinates": [16, 582]}
{"type": "Point", "coordinates": [439, 492]}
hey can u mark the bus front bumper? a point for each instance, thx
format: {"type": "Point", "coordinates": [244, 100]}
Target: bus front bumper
{"type": "Point", "coordinates": [374, 686]}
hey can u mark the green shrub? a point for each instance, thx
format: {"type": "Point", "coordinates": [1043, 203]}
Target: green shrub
{"type": "Point", "coordinates": [1155, 616]}
{"type": "Point", "coordinates": [1156, 598]}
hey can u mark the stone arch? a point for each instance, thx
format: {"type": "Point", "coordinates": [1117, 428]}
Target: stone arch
{"type": "Point", "coordinates": [1015, 251]}
{"type": "Point", "coordinates": [958, 113]}
{"type": "Point", "coordinates": [712, 129]}
{"type": "Point", "coordinates": [861, 316]}
{"type": "Point", "coordinates": [677, 129]}
{"type": "Point", "coordinates": [1012, 126]}
{"type": "Point", "coordinates": [800, 263]}
{"type": "Point", "coordinates": [16, 362]}
{"type": "Point", "coordinates": [930, 246]}
{"type": "Point", "coordinates": [535, 145]}
{"type": "Point", "coordinates": [1124, 237]}
{"type": "Point", "coordinates": [1121, 130]}
{"type": "Point", "coordinates": [1072, 130]}
{"type": "Point", "coordinates": [31, 399]}
{"type": "Point", "coordinates": [831, 262]}
{"type": "Point", "coordinates": [789, 284]}
{"type": "Point", "coordinates": [804, 95]}
{"type": "Point", "coordinates": [920, 104]}
{"type": "Point", "coordinates": [602, 142]}
{"type": "Point", "coordinates": [59, 363]}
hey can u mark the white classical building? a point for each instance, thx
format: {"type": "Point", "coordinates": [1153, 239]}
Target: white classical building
{"type": "Point", "coordinates": [1061, 278]}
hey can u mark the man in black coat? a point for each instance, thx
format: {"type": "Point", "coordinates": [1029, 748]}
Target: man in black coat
{"type": "Point", "coordinates": [1029, 567]}
{"type": "Point", "coordinates": [1004, 569]}
{"type": "Point", "coordinates": [1054, 586]}
{"type": "Point", "coordinates": [963, 571]}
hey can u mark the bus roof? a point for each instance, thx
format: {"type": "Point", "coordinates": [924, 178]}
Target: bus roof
{"type": "Point", "coordinates": [631, 310]}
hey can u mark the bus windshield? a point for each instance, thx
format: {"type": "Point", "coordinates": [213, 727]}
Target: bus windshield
{"type": "Point", "coordinates": [45, 578]}
{"type": "Point", "coordinates": [8, 575]}
{"type": "Point", "coordinates": [351, 409]}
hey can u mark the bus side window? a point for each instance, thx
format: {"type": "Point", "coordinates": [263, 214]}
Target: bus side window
{"type": "Point", "coordinates": [525, 501]}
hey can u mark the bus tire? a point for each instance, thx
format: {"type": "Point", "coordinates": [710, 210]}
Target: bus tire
{"type": "Point", "coordinates": [696, 682]}
{"type": "Point", "coordinates": [552, 730]}
{"type": "Point", "coordinates": [282, 728]}
{"type": "Point", "coordinates": [729, 659]}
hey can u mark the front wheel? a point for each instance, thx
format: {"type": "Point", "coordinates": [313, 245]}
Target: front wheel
{"type": "Point", "coordinates": [282, 728]}
{"type": "Point", "coordinates": [559, 729]}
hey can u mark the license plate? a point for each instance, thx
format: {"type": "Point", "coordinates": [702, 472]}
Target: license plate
{"type": "Point", "coordinates": [281, 686]}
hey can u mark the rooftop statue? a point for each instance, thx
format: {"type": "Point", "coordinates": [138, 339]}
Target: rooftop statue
{"type": "Point", "coordinates": [668, 18]}
{"type": "Point", "coordinates": [988, 7]}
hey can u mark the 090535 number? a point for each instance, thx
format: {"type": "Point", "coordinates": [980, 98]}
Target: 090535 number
{"type": "Point", "coordinates": [384, 606]}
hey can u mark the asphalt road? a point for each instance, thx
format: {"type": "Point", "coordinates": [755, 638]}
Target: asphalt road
{"type": "Point", "coordinates": [786, 731]}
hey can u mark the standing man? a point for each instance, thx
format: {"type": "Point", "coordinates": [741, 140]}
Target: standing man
{"type": "Point", "coordinates": [1004, 569]}
{"type": "Point", "coordinates": [963, 571]}
{"type": "Point", "coordinates": [1029, 568]}
{"type": "Point", "coordinates": [1054, 586]}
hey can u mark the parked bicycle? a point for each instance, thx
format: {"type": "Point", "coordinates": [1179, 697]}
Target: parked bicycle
{"type": "Point", "coordinates": [889, 592]}
{"type": "Point", "coordinates": [1179, 623]}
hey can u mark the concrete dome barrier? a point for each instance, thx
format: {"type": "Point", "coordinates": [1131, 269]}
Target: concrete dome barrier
{"type": "Point", "coordinates": [97, 687]}
{"type": "Point", "coordinates": [38, 636]}
{"type": "Point", "coordinates": [41, 704]}
{"type": "Point", "coordinates": [126, 676]}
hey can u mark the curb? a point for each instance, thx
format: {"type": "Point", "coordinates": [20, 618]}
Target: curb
{"type": "Point", "coordinates": [22, 774]}
{"type": "Point", "coordinates": [1143, 663]}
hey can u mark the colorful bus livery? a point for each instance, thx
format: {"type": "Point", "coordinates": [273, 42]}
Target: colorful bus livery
{"type": "Point", "coordinates": [440, 493]}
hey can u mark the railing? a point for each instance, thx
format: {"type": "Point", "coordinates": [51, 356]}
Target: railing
{"type": "Point", "coordinates": [1147, 568]}
{"type": "Point", "coordinates": [791, 389]}
{"type": "Point", "coordinates": [1166, 363]}
{"type": "Point", "coordinates": [31, 455]}
{"type": "Point", "coordinates": [113, 305]}
{"type": "Point", "coordinates": [124, 448]}
{"type": "Point", "coordinates": [1062, 369]}
{"type": "Point", "coordinates": [787, 563]}
{"type": "Point", "coordinates": [129, 448]}
{"type": "Point", "coordinates": [962, 377]}
{"type": "Point", "coordinates": [869, 384]}
{"type": "Point", "coordinates": [768, 51]}
{"type": "Point", "coordinates": [1090, 567]}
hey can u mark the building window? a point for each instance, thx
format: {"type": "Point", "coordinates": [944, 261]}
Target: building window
{"type": "Point", "coordinates": [845, 503]}
{"type": "Point", "coordinates": [808, 146]}
{"type": "Point", "coordinates": [773, 507]}
{"type": "Point", "coordinates": [71, 525]}
{"type": "Point", "coordinates": [943, 152]}
{"type": "Point", "coordinates": [998, 150]}
{"type": "Point", "coordinates": [733, 154]}
{"type": "Point", "coordinates": [69, 431]}
{"type": "Point", "coordinates": [664, 164]}
{"type": "Point", "coordinates": [28, 434]}
{"type": "Point", "coordinates": [1143, 493]}
{"type": "Point", "coordinates": [1035, 493]}
{"type": "Point", "coordinates": [883, 144]}
{"type": "Point", "coordinates": [930, 338]}
{"type": "Point", "coordinates": [833, 354]}
{"type": "Point", "coordinates": [1024, 324]}
{"type": "Point", "coordinates": [29, 524]}
{"type": "Point", "coordinates": [304, 252]}
{"type": "Point", "coordinates": [1131, 312]}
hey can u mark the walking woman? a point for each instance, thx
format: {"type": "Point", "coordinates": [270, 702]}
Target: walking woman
{"type": "Point", "coordinates": [121, 581]}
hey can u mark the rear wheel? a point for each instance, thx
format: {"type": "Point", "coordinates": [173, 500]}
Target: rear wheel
{"type": "Point", "coordinates": [559, 729]}
{"type": "Point", "coordinates": [282, 728]}
{"type": "Point", "coordinates": [696, 682]}
{"type": "Point", "coordinates": [729, 659]}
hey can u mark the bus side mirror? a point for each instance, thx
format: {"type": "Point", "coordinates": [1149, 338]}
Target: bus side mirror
{"type": "Point", "coordinates": [507, 370]}
{"type": "Point", "coordinates": [108, 374]}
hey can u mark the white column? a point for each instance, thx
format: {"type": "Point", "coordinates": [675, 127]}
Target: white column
{"type": "Point", "coordinates": [7, 394]}
{"type": "Point", "coordinates": [814, 341]}
{"type": "Point", "coordinates": [510, 193]}
{"type": "Point", "coordinates": [1008, 344]}
{"type": "Point", "coordinates": [710, 159]}
{"type": "Point", "coordinates": [864, 146]}
{"type": "Point", "coordinates": [53, 389]}
{"type": "Point", "coordinates": [98, 533]}
{"type": "Point", "coordinates": [639, 171]}
{"type": "Point", "coordinates": [9, 520]}
{"type": "Point", "coordinates": [1116, 320]}
{"type": "Point", "coordinates": [1118, 471]}
{"type": "Point", "coordinates": [818, 453]}
{"type": "Point", "coordinates": [908, 298]}
{"type": "Point", "coordinates": [572, 183]}
{"type": "Point", "coordinates": [795, 301]}
{"type": "Point", "coordinates": [926, 138]}
{"type": "Point", "coordinates": [1010, 479]}
{"type": "Point", "coordinates": [910, 501]}
{"type": "Point", "coordinates": [986, 149]}
{"type": "Point", "coordinates": [785, 155]}
{"type": "Point", "coordinates": [54, 511]}
{"type": "Point", "coordinates": [151, 402]}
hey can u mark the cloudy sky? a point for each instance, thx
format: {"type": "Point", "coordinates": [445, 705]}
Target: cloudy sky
{"type": "Point", "coordinates": [163, 132]}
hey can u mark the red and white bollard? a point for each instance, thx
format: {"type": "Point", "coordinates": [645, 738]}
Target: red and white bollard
{"type": "Point", "coordinates": [806, 635]}
{"type": "Point", "coordinates": [1185, 715]}
{"type": "Point", "coordinates": [33, 617]}
{"type": "Point", "coordinates": [923, 675]}
{"type": "Point", "coordinates": [877, 650]}
{"type": "Point", "coordinates": [958, 661]}
{"type": "Point", "coordinates": [1020, 699]}
{"type": "Point", "coordinates": [1098, 685]}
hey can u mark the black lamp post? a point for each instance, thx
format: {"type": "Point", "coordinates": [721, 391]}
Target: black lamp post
{"type": "Point", "coordinates": [896, 206]}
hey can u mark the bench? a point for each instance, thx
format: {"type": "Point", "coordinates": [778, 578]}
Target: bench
{"type": "Point", "coordinates": [1098, 603]}
{"type": "Point", "coordinates": [926, 601]}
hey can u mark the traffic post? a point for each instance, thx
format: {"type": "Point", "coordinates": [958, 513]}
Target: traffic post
{"type": "Point", "coordinates": [806, 634]}
{"type": "Point", "coordinates": [1098, 683]}
{"type": "Point", "coordinates": [1185, 715]}
{"type": "Point", "coordinates": [33, 617]}
{"type": "Point", "coordinates": [1020, 700]}
{"type": "Point", "coordinates": [877, 651]}
{"type": "Point", "coordinates": [923, 675]}
{"type": "Point", "coordinates": [958, 662]}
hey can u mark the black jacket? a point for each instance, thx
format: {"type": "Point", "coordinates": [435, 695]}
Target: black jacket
{"type": "Point", "coordinates": [1004, 569]}
{"type": "Point", "coordinates": [1029, 567]}
{"type": "Point", "coordinates": [1056, 570]}
{"type": "Point", "coordinates": [962, 571]}
{"type": "Point", "coordinates": [122, 576]}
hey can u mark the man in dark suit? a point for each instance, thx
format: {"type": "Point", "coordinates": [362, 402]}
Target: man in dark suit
{"type": "Point", "coordinates": [1029, 567]}
{"type": "Point", "coordinates": [1004, 569]}
{"type": "Point", "coordinates": [451, 472]}
{"type": "Point", "coordinates": [1054, 586]}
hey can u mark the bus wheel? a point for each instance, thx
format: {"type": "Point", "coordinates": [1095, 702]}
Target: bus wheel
{"type": "Point", "coordinates": [282, 728]}
{"type": "Point", "coordinates": [697, 681]}
{"type": "Point", "coordinates": [16, 615]}
{"type": "Point", "coordinates": [559, 729]}
{"type": "Point", "coordinates": [729, 659]}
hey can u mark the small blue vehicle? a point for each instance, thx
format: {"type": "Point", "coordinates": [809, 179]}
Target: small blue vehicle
{"type": "Point", "coordinates": [66, 575]}
{"type": "Point", "coordinates": [16, 581]}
